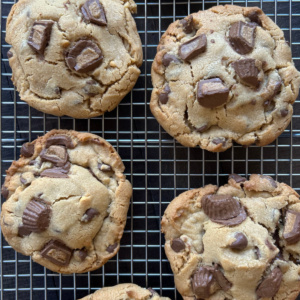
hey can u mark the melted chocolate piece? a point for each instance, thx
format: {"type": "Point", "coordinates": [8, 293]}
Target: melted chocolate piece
{"type": "Point", "coordinates": [27, 150]}
{"type": "Point", "coordinates": [237, 178]}
{"type": "Point", "coordinates": [270, 179]}
{"type": "Point", "coordinates": [92, 88]}
{"type": "Point", "coordinates": [187, 24]}
{"type": "Point", "coordinates": [23, 231]}
{"type": "Point", "coordinates": [40, 35]}
{"type": "Point", "coordinates": [9, 54]}
{"type": "Point", "coordinates": [247, 71]}
{"type": "Point", "coordinates": [111, 248]}
{"type": "Point", "coordinates": [89, 215]}
{"type": "Point", "coordinates": [56, 154]}
{"type": "Point", "coordinates": [193, 47]}
{"type": "Point", "coordinates": [222, 280]}
{"type": "Point", "coordinates": [202, 281]}
{"type": "Point", "coordinates": [291, 230]}
{"type": "Point", "coordinates": [23, 180]}
{"type": "Point", "coordinates": [218, 141]}
{"type": "Point", "coordinates": [57, 252]}
{"type": "Point", "coordinates": [164, 96]}
{"type": "Point", "coordinates": [169, 58]}
{"type": "Point", "coordinates": [284, 112]}
{"type": "Point", "coordinates": [270, 245]}
{"type": "Point", "coordinates": [60, 139]}
{"type": "Point", "coordinates": [84, 56]}
{"type": "Point", "coordinates": [153, 293]}
{"type": "Point", "coordinates": [202, 128]}
{"type": "Point", "coordinates": [254, 17]}
{"type": "Point", "coordinates": [82, 254]}
{"type": "Point", "coordinates": [104, 168]}
{"type": "Point", "coordinates": [4, 192]}
{"type": "Point", "coordinates": [257, 252]}
{"type": "Point", "coordinates": [270, 285]}
{"type": "Point", "coordinates": [240, 242]}
{"type": "Point", "coordinates": [241, 37]}
{"type": "Point", "coordinates": [212, 93]}
{"type": "Point", "coordinates": [93, 12]}
{"type": "Point", "coordinates": [223, 209]}
{"type": "Point", "coordinates": [54, 173]}
{"type": "Point", "coordinates": [177, 245]}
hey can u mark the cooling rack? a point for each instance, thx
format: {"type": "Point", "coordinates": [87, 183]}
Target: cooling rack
{"type": "Point", "coordinates": [158, 167]}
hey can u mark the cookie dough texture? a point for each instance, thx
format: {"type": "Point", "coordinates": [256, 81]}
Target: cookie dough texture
{"type": "Point", "coordinates": [47, 82]}
{"type": "Point", "coordinates": [239, 258]}
{"type": "Point", "coordinates": [258, 93]}
{"type": "Point", "coordinates": [67, 201]}
{"type": "Point", "coordinates": [125, 291]}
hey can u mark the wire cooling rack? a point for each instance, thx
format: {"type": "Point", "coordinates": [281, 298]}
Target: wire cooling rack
{"type": "Point", "coordinates": [158, 167]}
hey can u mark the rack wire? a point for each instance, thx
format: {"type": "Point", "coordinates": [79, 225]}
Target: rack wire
{"type": "Point", "coordinates": [158, 167]}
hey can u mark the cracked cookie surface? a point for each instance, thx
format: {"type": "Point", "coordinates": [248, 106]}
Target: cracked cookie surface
{"type": "Point", "coordinates": [67, 201]}
{"type": "Point", "coordinates": [73, 57]}
{"type": "Point", "coordinates": [125, 291]}
{"type": "Point", "coordinates": [222, 75]}
{"type": "Point", "coordinates": [238, 241]}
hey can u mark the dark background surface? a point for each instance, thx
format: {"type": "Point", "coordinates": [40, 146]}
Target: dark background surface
{"type": "Point", "coordinates": [151, 158]}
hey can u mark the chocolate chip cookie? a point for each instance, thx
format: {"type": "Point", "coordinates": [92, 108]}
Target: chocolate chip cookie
{"type": "Point", "coordinates": [222, 75]}
{"type": "Point", "coordinates": [73, 57]}
{"type": "Point", "coordinates": [237, 241]}
{"type": "Point", "coordinates": [66, 201]}
{"type": "Point", "coordinates": [125, 291]}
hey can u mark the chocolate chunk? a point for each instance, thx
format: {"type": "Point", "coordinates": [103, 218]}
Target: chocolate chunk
{"type": "Point", "coordinates": [270, 245]}
{"type": "Point", "coordinates": [223, 209]}
{"type": "Point", "coordinates": [201, 128]}
{"type": "Point", "coordinates": [94, 12]}
{"type": "Point", "coordinates": [202, 281]}
{"type": "Point", "coordinates": [104, 168]}
{"type": "Point", "coordinates": [284, 112]}
{"type": "Point", "coordinates": [153, 293]}
{"type": "Point", "coordinates": [82, 254]}
{"type": "Point", "coordinates": [23, 231]}
{"type": "Point", "coordinates": [240, 242]}
{"type": "Point", "coordinates": [272, 89]}
{"type": "Point", "coordinates": [193, 47]}
{"type": "Point", "coordinates": [270, 285]}
{"type": "Point", "coordinates": [9, 54]}
{"type": "Point", "coordinates": [237, 178]}
{"type": "Point", "coordinates": [187, 24]}
{"type": "Point", "coordinates": [257, 252]}
{"type": "Point", "coordinates": [291, 231]}
{"type": "Point", "coordinates": [4, 192]}
{"type": "Point", "coordinates": [177, 245]}
{"type": "Point", "coordinates": [111, 248]}
{"type": "Point", "coordinates": [270, 179]}
{"type": "Point", "coordinates": [57, 252]}
{"type": "Point", "coordinates": [60, 139]}
{"type": "Point", "coordinates": [247, 71]}
{"type": "Point", "coordinates": [23, 180]}
{"type": "Point", "coordinates": [241, 37]}
{"type": "Point", "coordinates": [40, 35]}
{"type": "Point", "coordinates": [222, 280]}
{"type": "Point", "coordinates": [169, 58]}
{"type": "Point", "coordinates": [27, 150]}
{"type": "Point", "coordinates": [254, 17]}
{"type": "Point", "coordinates": [92, 88]}
{"type": "Point", "coordinates": [54, 173]}
{"type": "Point", "coordinates": [218, 141]}
{"type": "Point", "coordinates": [56, 154]}
{"type": "Point", "coordinates": [36, 216]}
{"type": "Point", "coordinates": [212, 93]}
{"type": "Point", "coordinates": [89, 215]}
{"type": "Point", "coordinates": [84, 56]}
{"type": "Point", "coordinates": [164, 96]}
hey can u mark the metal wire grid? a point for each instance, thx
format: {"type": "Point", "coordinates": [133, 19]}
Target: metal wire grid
{"type": "Point", "coordinates": [158, 167]}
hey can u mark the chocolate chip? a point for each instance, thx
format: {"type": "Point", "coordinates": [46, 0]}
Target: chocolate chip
{"type": "Point", "coordinates": [54, 173]}
{"type": "Point", "coordinates": [89, 215]}
{"type": "Point", "coordinates": [240, 242]}
{"type": "Point", "coordinates": [27, 150]}
{"type": "Point", "coordinates": [284, 112]}
{"type": "Point", "coordinates": [247, 71]}
{"type": "Point", "coordinates": [57, 252]}
{"type": "Point", "coordinates": [273, 88]}
{"type": "Point", "coordinates": [223, 209]}
{"type": "Point", "coordinates": [218, 141]}
{"type": "Point", "coordinates": [270, 179]}
{"type": "Point", "coordinates": [237, 178]}
{"type": "Point", "coordinates": [270, 245]}
{"type": "Point", "coordinates": [202, 281]}
{"type": "Point", "coordinates": [193, 47]}
{"type": "Point", "coordinates": [169, 58]}
{"type": "Point", "coordinates": [56, 154]}
{"type": "Point", "coordinates": [291, 231]}
{"type": "Point", "coordinates": [187, 24]}
{"type": "Point", "coordinates": [254, 17]}
{"type": "Point", "coordinates": [253, 102]}
{"type": "Point", "coordinates": [164, 96]}
{"type": "Point", "coordinates": [111, 248]}
{"type": "Point", "coordinates": [84, 56]}
{"type": "Point", "coordinates": [270, 285]}
{"type": "Point", "coordinates": [40, 35]}
{"type": "Point", "coordinates": [104, 168]}
{"type": "Point", "coordinates": [177, 245]}
{"type": "Point", "coordinates": [212, 93]}
{"type": "Point", "coordinates": [257, 252]}
{"type": "Point", "coordinates": [36, 216]}
{"type": "Point", "coordinates": [23, 180]}
{"type": "Point", "coordinates": [23, 231]}
{"type": "Point", "coordinates": [4, 192]}
{"type": "Point", "coordinates": [222, 280]}
{"type": "Point", "coordinates": [60, 139]}
{"type": "Point", "coordinates": [153, 293]}
{"type": "Point", "coordinates": [9, 54]}
{"type": "Point", "coordinates": [92, 88]}
{"type": "Point", "coordinates": [94, 12]}
{"type": "Point", "coordinates": [82, 254]}
{"type": "Point", "coordinates": [241, 37]}
{"type": "Point", "coordinates": [201, 128]}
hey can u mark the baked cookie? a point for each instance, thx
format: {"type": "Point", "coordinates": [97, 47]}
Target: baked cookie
{"type": "Point", "coordinates": [222, 75]}
{"type": "Point", "coordinates": [125, 291]}
{"type": "Point", "coordinates": [238, 241]}
{"type": "Point", "coordinates": [73, 57]}
{"type": "Point", "coordinates": [67, 201]}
